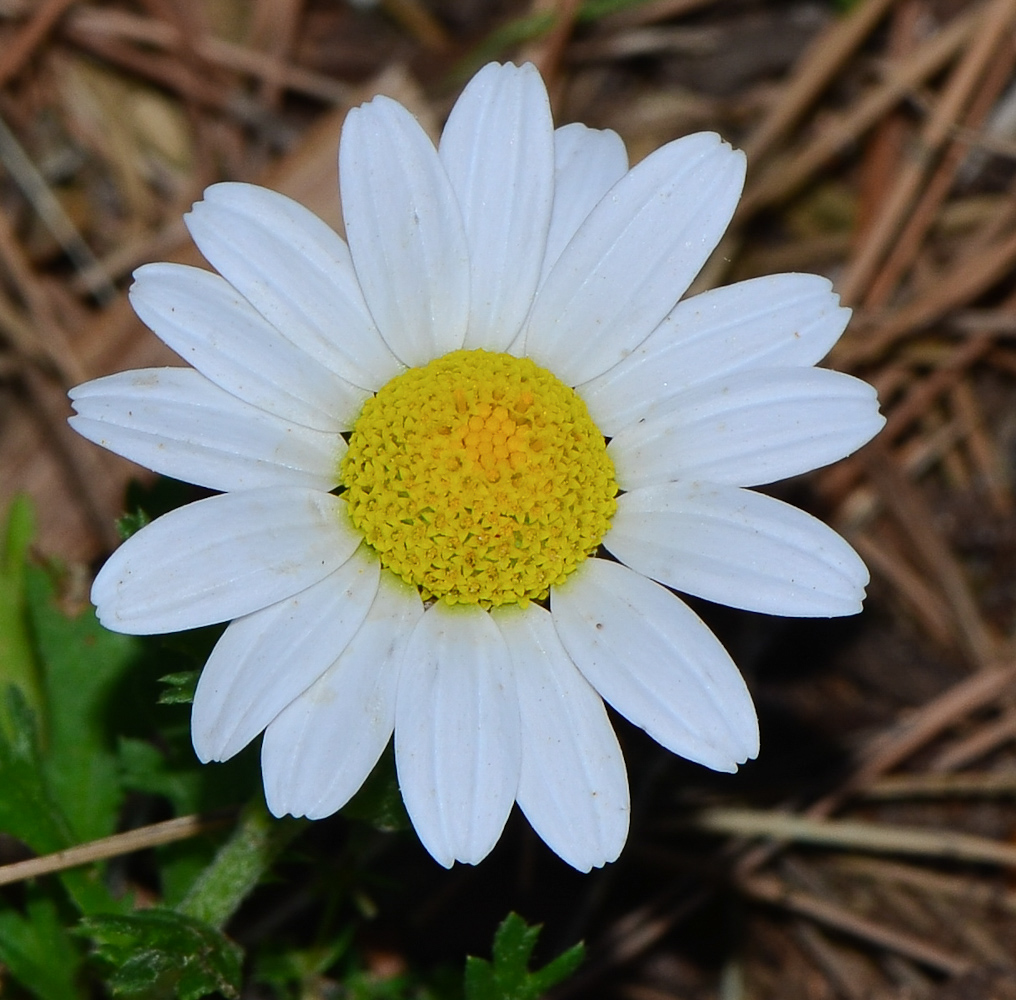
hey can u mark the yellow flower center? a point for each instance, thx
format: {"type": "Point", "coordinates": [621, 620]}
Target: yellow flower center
{"type": "Point", "coordinates": [480, 478]}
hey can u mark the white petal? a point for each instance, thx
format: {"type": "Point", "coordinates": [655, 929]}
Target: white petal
{"type": "Point", "coordinates": [405, 232]}
{"type": "Point", "coordinates": [655, 661]}
{"type": "Point", "coordinates": [211, 326]}
{"type": "Point", "coordinates": [457, 733]}
{"type": "Point", "coordinates": [738, 548]}
{"type": "Point", "coordinates": [177, 423]}
{"type": "Point", "coordinates": [498, 149]}
{"type": "Point", "coordinates": [321, 748]}
{"type": "Point", "coordinates": [749, 428]}
{"type": "Point", "coordinates": [573, 787]}
{"type": "Point", "coordinates": [634, 257]}
{"type": "Point", "coordinates": [222, 557]}
{"type": "Point", "coordinates": [782, 320]}
{"type": "Point", "coordinates": [588, 162]}
{"type": "Point", "coordinates": [266, 659]}
{"type": "Point", "coordinates": [297, 273]}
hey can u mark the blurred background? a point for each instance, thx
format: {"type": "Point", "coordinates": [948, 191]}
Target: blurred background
{"type": "Point", "coordinates": [871, 851]}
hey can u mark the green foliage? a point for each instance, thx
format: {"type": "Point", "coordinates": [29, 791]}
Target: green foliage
{"type": "Point", "coordinates": [17, 660]}
{"type": "Point", "coordinates": [37, 949]}
{"type": "Point", "coordinates": [83, 664]}
{"type": "Point", "coordinates": [159, 954]}
{"type": "Point", "coordinates": [180, 687]}
{"type": "Point", "coordinates": [238, 866]}
{"type": "Point", "coordinates": [508, 976]}
{"type": "Point", "coordinates": [132, 523]}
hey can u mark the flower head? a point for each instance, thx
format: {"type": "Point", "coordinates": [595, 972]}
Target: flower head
{"type": "Point", "coordinates": [463, 460]}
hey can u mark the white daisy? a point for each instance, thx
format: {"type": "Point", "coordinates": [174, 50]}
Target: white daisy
{"type": "Point", "coordinates": [410, 436]}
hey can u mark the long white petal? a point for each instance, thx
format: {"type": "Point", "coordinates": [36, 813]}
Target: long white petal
{"type": "Point", "coordinates": [498, 150]}
{"type": "Point", "coordinates": [573, 786]}
{"type": "Point", "coordinates": [177, 423]}
{"type": "Point", "coordinates": [266, 659]}
{"type": "Point", "coordinates": [781, 320]}
{"type": "Point", "coordinates": [654, 660]}
{"type": "Point", "coordinates": [588, 162]}
{"type": "Point", "coordinates": [634, 257]}
{"type": "Point", "coordinates": [221, 558]}
{"type": "Point", "coordinates": [457, 733]}
{"type": "Point", "coordinates": [320, 749]}
{"type": "Point", "coordinates": [738, 548]}
{"type": "Point", "coordinates": [296, 271]}
{"type": "Point", "coordinates": [749, 428]}
{"type": "Point", "coordinates": [405, 232]}
{"type": "Point", "coordinates": [213, 327]}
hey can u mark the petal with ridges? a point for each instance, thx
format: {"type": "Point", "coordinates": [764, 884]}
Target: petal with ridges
{"type": "Point", "coordinates": [651, 657]}
{"type": "Point", "coordinates": [588, 162]}
{"type": "Point", "coordinates": [297, 272]}
{"type": "Point", "coordinates": [573, 786]}
{"type": "Point", "coordinates": [781, 320]}
{"type": "Point", "coordinates": [738, 548]}
{"type": "Point", "coordinates": [498, 150]}
{"type": "Point", "coordinates": [749, 428]}
{"type": "Point", "coordinates": [320, 749]}
{"type": "Point", "coordinates": [266, 659]}
{"type": "Point", "coordinates": [212, 327]}
{"type": "Point", "coordinates": [634, 256]}
{"type": "Point", "coordinates": [177, 423]}
{"type": "Point", "coordinates": [221, 558]}
{"type": "Point", "coordinates": [457, 733]}
{"type": "Point", "coordinates": [405, 232]}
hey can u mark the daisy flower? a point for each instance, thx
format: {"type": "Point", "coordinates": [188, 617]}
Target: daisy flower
{"type": "Point", "coordinates": [464, 460]}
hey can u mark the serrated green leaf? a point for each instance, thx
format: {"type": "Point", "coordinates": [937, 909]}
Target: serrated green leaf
{"type": "Point", "coordinates": [132, 523]}
{"type": "Point", "coordinates": [37, 951]}
{"type": "Point", "coordinates": [27, 809]}
{"type": "Point", "coordinates": [160, 954]}
{"type": "Point", "coordinates": [18, 665]}
{"type": "Point", "coordinates": [508, 976]}
{"type": "Point", "coordinates": [180, 689]}
{"type": "Point", "coordinates": [82, 664]}
{"type": "Point", "coordinates": [29, 812]}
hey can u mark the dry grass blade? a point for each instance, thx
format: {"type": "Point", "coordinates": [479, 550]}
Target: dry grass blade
{"type": "Point", "coordinates": [973, 275]}
{"type": "Point", "coordinates": [783, 178]}
{"type": "Point", "coordinates": [991, 33]}
{"type": "Point", "coordinates": [917, 522]}
{"type": "Point", "coordinates": [105, 24]}
{"type": "Point", "coordinates": [942, 785]}
{"type": "Point", "coordinates": [857, 836]}
{"type": "Point", "coordinates": [168, 832]}
{"type": "Point", "coordinates": [817, 68]}
{"type": "Point", "coordinates": [770, 889]}
{"type": "Point", "coordinates": [18, 52]}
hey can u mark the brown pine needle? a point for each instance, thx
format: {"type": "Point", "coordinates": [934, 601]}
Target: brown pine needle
{"type": "Point", "coordinates": [128, 842]}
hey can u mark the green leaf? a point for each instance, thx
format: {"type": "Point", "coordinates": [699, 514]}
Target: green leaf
{"type": "Point", "coordinates": [160, 954]}
{"type": "Point", "coordinates": [180, 687]}
{"type": "Point", "coordinates": [132, 523]}
{"type": "Point", "coordinates": [82, 665]}
{"type": "Point", "coordinates": [37, 951]}
{"type": "Point", "coordinates": [508, 977]}
{"type": "Point", "coordinates": [29, 811]}
{"type": "Point", "coordinates": [239, 865]}
{"type": "Point", "coordinates": [18, 665]}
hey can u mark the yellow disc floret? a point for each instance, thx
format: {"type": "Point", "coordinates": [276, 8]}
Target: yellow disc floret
{"type": "Point", "coordinates": [480, 478]}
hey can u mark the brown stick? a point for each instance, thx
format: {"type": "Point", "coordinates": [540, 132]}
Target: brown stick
{"type": "Point", "coordinates": [143, 837]}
